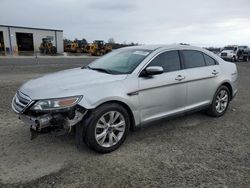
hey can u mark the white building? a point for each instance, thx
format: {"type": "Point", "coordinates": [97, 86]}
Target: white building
{"type": "Point", "coordinates": [15, 39]}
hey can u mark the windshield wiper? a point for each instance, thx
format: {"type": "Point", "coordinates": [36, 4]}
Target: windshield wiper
{"type": "Point", "coordinates": [100, 70]}
{"type": "Point", "coordinates": [83, 67]}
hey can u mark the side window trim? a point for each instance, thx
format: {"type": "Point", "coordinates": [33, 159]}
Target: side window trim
{"type": "Point", "coordinates": [181, 59]}
{"type": "Point", "coordinates": [203, 55]}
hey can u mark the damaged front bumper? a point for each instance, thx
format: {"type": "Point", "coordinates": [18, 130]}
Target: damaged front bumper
{"type": "Point", "coordinates": [56, 120]}
{"type": "Point", "coordinates": [39, 120]}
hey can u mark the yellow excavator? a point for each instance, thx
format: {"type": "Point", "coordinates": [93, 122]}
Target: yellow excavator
{"type": "Point", "coordinates": [98, 48]}
{"type": "Point", "coordinates": [77, 46]}
{"type": "Point", "coordinates": [47, 47]}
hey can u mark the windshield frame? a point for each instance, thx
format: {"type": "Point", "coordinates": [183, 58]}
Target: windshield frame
{"type": "Point", "coordinates": [115, 72]}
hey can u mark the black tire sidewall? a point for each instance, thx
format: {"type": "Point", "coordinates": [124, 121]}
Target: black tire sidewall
{"type": "Point", "coordinates": [96, 115]}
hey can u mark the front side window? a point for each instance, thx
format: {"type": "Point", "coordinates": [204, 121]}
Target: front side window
{"type": "Point", "coordinates": [193, 59]}
{"type": "Point", "coordinates": [169, 61]}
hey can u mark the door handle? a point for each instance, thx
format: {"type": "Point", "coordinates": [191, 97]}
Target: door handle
{"type": "Point", "coordinates": [180, 78]}
{"type": "Point", "coordinates": [215, 72]}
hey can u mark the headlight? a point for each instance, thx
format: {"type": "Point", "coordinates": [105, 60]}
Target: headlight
{"type": "Point", "coordinates": [53, 104]}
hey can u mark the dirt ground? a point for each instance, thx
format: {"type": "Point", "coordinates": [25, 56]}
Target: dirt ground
{"type": "Point", "coordinates": [190, 151]}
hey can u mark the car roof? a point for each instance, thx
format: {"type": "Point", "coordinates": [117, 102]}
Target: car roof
{"type": "Point", "coordinates": [173, 47]}
{"type": "Point", "coordinates": [164, 47]}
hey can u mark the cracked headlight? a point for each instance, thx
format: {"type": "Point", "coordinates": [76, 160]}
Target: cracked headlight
{"type": "Point", "coordinates": [54, 104]}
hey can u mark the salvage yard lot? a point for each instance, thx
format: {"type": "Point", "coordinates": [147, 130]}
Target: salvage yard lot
{"type": "Point", "coordinates": [194, 150]}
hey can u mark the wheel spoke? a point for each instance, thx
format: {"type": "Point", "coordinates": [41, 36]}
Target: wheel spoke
{"type": "Point", "coordinates": [115, 137]}
{"type": "Point", "coordinates": [102, 119]}
{"type": "Point", "coordinates": [119, 126]}
{"type": "Point", "coordinates": [221, 107]}
{"type": "Point", "coordinates": [218, 106]}
{"type": "Point", "coordinates": [111, 117]}
{"type": "Point", "coordinates": [222, 94]}
{"type": "Point", "coordinates": [120, 129]}
{"type": "Point", "coordinates": [116, 115]}
{"type": "Point", "coordinates": [224, 99]}
{"type": "Point", "coordinates": [111, 142]}
{"type": "Point", "coordinates": [103, 139]}
{"type": "Point", "coordinates": [101, 135]}
{"type": "Point", "coordinates": [121, 123]}
{"type": "Point", "coordinates": [100, 126]}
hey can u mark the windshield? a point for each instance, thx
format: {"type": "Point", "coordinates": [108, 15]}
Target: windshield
{"type": "Point", "coordinates": [229, 48]}
{"type": "Point", "coordinates": [121, 61]}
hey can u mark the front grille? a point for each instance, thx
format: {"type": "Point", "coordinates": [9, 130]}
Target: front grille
{"type": "Point", "coordinates": [223, 54]}
{"type": "Point", "coordinates": [20, 102]}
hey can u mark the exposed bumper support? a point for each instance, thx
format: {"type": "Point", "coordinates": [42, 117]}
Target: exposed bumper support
{"type": "Point", "coordinates": [52, 120]}
{"type": "Point", "coordinates": [40, 122]}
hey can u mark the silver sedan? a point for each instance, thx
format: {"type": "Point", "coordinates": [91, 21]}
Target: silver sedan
{"type": "Point", "coordinates": [124, 90]}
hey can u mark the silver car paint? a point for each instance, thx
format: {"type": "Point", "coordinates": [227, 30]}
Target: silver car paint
{"type": "Point", "coordinates": [148, 99]}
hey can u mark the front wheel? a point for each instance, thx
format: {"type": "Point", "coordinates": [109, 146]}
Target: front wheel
{"type": "Point", "coordinates": [220, 102]}
{"type": "Point", "coordinates": [234, 59]}
{"type": "Point", "coordinates": [108, 128]}
{"type": "Point", "coordinates": [246, 58]}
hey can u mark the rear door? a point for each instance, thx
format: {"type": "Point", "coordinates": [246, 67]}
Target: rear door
{"type": "Point", "coordinates": [201, 76]}
{"type": "Point", "coordinates": [163, 94]}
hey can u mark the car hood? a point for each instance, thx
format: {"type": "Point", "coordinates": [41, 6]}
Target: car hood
{"type": "Point", "coordinates": [67, 83]}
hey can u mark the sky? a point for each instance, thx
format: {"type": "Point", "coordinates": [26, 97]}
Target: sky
{"type": "Point", "coordinates": [197, 22]}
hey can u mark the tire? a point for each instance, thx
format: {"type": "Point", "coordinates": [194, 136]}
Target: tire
{"type": "Point", "coordinates": [234, 59]}
{"type": "Point", "coordinates": [246, 59]}
{"type": "Point", "coordinates": [218, 110]}
{"type": "Point", "coordinates": [102, 135]}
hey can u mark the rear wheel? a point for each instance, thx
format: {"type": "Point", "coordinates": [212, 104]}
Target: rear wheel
{"type": "Point", "coordinates": [246, 58]}
{"type": "Point", "coordinates": [108, 128]}
{"type": "Point", "coordinates": [234, 59]}
{"type": "Point", "coordinates": [220, 102]}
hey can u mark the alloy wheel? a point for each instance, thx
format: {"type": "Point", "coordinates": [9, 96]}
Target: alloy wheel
{"type": "Point", "coordinates": [221, 101]}
{"type": "Point", "coordinates": [110, 128]}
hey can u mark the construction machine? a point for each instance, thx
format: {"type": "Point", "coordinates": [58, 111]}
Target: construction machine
{"type": "Point", "coordinates": [47, 47]}
{"type": "Point", "coordinates": [77, 46]}
{"type": "Point", "coordinates": [98, 48]}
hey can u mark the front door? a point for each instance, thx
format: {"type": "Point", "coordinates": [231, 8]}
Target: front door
{"type": "Point", "coordinates": [164, 94]}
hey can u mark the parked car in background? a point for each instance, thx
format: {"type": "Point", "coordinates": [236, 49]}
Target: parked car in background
{"type": "Point", "coordinates": [126, 89]}
{"type": "Point", "coordinates": [244, 53]}
{"type": "Point", "coordinates": [235, 53]}
{"type": "Point", "coordinates": [230, 53]}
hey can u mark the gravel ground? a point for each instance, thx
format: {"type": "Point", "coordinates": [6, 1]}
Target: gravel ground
{"type": "Point", "coordinates": [190, 151]}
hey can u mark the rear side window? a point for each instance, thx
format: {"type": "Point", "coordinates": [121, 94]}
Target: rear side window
{"type": "Point", "coordinates": [170, 61]}
{"type": "Point", "coordinates": [209, 61]}
{"type": "Point", "coordinates": [193, 59]}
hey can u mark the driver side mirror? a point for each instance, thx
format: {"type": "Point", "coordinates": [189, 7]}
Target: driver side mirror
{"type": "Point", "coordinates": [152, 70]}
